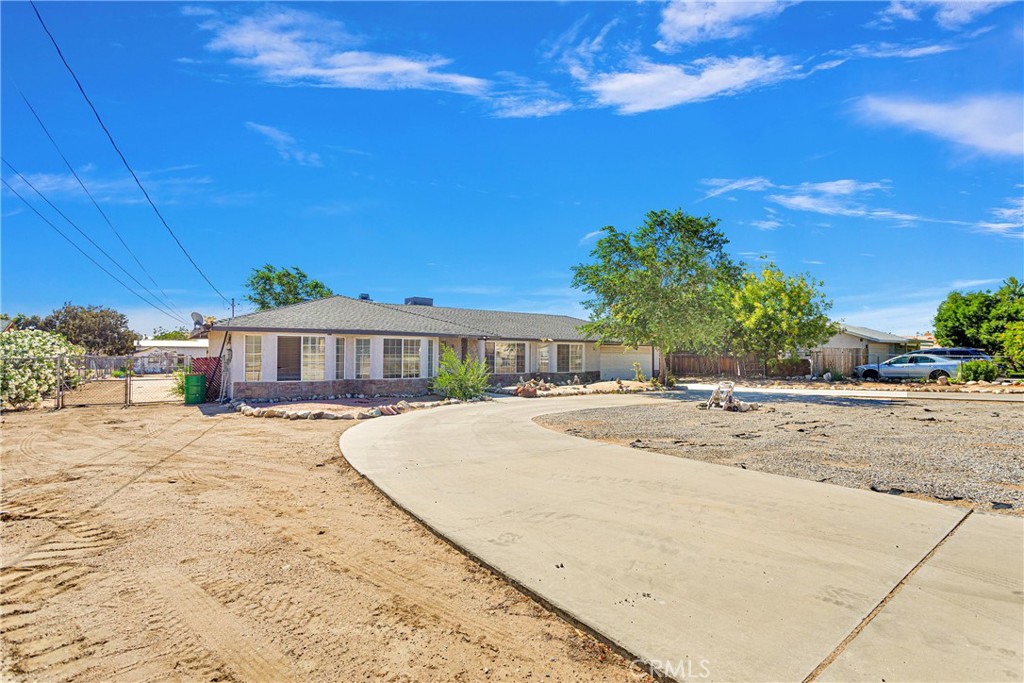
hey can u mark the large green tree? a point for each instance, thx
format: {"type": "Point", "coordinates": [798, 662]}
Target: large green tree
{"type": "Point", "coordinates": [666, 283]}
{"type": "Point", "coordinates": [778, 315]}
{"type": "Point", "coordinates": [100, 330]}
{"type": "Point", "coordinates": [270, 287]}
{"type": "Point", "coordinates": [980, 319]}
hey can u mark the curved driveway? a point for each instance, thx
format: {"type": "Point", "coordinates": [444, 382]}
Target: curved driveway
{"type": "Point", "coordinates": [709, 572]}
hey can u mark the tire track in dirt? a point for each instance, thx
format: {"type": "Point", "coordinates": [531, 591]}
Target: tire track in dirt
{"type": "Point", "coordinates": [219, 629]}
{"type": "Point", "coordinates": [56, 564]}
{"type": "Point", "coordinates": [407, 582]}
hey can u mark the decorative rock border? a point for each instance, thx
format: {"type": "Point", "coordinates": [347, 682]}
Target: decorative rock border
{"type": "Point", "coordinates": [583, 390]}
{"type": "Point", "coordinates": [402, 406]}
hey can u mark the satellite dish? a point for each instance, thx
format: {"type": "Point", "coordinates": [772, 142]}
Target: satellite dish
{"type": "Point", "coordinates": [197, 319]}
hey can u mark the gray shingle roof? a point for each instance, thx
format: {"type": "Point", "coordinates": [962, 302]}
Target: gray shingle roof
{"type": "Point", "coordinates": [875, 335]}
{"type": "Point", "coordinates": [342, 314]}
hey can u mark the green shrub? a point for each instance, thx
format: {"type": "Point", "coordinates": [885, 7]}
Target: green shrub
{"type": "Point", "coordinates": [978, 371]}
{"type": "Point", "coordinates": [178, 388]}
{"type": "Point", "coordinates": [463, 380]}
{"type": "Point", "coordinates": [28, 365]}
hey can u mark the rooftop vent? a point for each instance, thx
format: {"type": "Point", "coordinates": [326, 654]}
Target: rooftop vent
{"type": "Point", "coordinates": [365, 297]}
{"type": "Point", "coordinates": [418, 301]}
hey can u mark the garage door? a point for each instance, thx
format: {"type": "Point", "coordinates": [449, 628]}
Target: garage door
{"type": "Point", "coordinates": [617, 361]}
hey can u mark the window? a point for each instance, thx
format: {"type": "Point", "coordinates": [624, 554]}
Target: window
{"type": "Point", "coordinates": [543, 358]}
{"type": "Point", "coordinates": [401, 358]}
{"type": "Point", "coordinates": [289, 351]}
{"type": "Point", "coordinates": [505, 358]}
{"type": "Point", "coordinates": [314, 353]}
{"type": "Point", "coordinates": [339, 358]}
{"type": "Point", "coordinates": [430, 358]}
{"type": "Point", "coordinates": [253, 357]}
{"type": "Point", "coordinates": [362, 359]}
{"type": "Point", "coordinates": [570, 358]}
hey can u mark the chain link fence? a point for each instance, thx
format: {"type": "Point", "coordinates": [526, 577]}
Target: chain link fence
{"type": "Point", "coordinates": [91, 380]}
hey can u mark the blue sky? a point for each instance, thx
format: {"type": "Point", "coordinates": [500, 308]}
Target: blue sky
{"type": "Point", "coordinates": [470, 151]}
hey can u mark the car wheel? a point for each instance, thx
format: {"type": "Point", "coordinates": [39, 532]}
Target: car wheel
{"type": "Point", "coordinates": [937, 374]}
{"type": "Point", "coordinates": [871, 374]}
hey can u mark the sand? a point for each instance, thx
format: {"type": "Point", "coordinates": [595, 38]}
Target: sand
{"type": "Point", "coordinates": [176, 543]}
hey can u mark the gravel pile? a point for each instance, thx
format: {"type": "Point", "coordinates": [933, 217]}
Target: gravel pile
{"type": "Point", "coordinates": [971, 454]}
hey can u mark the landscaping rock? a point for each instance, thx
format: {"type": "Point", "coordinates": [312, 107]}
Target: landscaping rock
{"type": "Point", "coordinates": [316, 415]}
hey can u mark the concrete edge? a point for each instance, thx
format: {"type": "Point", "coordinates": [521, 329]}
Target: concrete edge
{"type": "Point", "coordinates": [853, 393]}
{"type": "Point", "coordinates": [561, 613]}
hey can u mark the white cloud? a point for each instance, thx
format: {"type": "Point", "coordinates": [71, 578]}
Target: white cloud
{"type": "Point", "coordinates": [114, 190]}
{"type": "Point", "coordinates": [690, 21]}
{"type": "Point", "coordinates": [949, 14]}
{"type": "Point", "coordinates": [972, 284]}
{"type": "Point", "coordinates": [589, 236]}
{"type": "Point", "coordinates": [724, 185]}
{"type": "Point", "coordinates": [894, 50]}
{"type": "Point", "coordinates": [648, 86]}
{"type": "Point", "coordinates": [769, 224]}
{"type": "Point", "coordinates": [293, 47]}
{"type": "Point", "coordinates": [1008, 220]}
{"type": "Point", "coordinates": [286, 145]}
{"type": "Point", "coordinates": [992, 124]}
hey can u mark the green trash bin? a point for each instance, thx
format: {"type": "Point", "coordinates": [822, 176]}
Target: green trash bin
{"type": "Point", "coordinates": [195, 389]}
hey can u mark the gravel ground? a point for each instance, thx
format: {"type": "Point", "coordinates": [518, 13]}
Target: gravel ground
{"type": "Point", "coordinates": [966, 454]}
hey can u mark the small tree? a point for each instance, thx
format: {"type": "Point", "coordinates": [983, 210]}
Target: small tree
{"type": "Point", "coordinates": [270, 287]}
{"type": "Point", "coordinates": [28, 365]}
{"type": "Point", "coordinates": [463, 379]}
{"type": "Point", "coordinates": [979, 319]}
{"type": "Point", "coordinates": [779, 315]}
{"type": "Point", "coordinates": [666, 283]}
{"type": "Point", "coordinates": [178, 333]}
{"type": "Point", "coordinates": [98, 329]}
{"type": "Point", "coordinates": [1012, 344]}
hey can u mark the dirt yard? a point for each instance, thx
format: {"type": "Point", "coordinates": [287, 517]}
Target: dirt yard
{"type": "Point", "coordinates": [966, 454]}
{"type": "Point", "coordinates": [169, 543]}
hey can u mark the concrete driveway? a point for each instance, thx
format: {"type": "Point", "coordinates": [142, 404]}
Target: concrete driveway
{"type": "Point", "coordinates": [709, 572]}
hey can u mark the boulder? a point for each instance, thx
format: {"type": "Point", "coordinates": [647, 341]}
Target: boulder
{"type": "Point", "coordinates": [302, 415]}
{"type": "Point", "coordinates": [943, 381]}
{"type": "Point", "coordinates": [316, 414]}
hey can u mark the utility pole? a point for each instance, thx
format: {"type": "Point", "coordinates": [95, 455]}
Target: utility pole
{"type": "Point", "coordinates": [232, 307]}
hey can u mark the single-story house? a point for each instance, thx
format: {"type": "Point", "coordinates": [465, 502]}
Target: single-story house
{"type": "Point", "coordinates": [339, 345]}
{"type": "Point", "coordinates": [163, 355]}
{"type": "Point", "coordinates": [874, 342]}
{"type": "Point", "coordinates": [854, 346]}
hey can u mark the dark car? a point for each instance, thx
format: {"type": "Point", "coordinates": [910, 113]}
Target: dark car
{"type": "Point", "coordinates": [955, 353]}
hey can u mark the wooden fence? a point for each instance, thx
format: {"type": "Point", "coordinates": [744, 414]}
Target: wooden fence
{"type": "Point", "coordinates": [689, 365]}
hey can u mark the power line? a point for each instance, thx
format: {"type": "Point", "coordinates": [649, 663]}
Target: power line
{"type": "Point", "coordinates": [86, 255]}
{"type": "Point", "coordinates": [118, 150]}
{"type": "Point", "coordinates": [89, 239]}
{"type": "Point", "coordinates": [71, 168]}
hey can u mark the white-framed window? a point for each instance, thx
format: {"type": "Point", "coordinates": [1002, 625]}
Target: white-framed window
{"type": "Point", "coordinates": [401, 358]}
{"type": "Point", "coordinates": [543, 358]}
{"type": "Point", "coordinates": [430, 358]}
{"type": "Point", "coordinates": [505, 358]}
{"type": "Point", "coordinates": [253, 357]}
{"type": "Point", "coordinates": [314, 356]}
{"type": "Point", "coordinates": [339, 358]}
{"type": "Point", "coordinates": [570, 358]}
{"type": "Point", "coordinates": [362, 359]}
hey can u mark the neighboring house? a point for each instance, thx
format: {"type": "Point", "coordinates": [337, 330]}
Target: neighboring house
{"type": "Point", "coordinates": [874, 342]}
{"type": "Point", "coordinates": [341, 345]}
{"type": "Point", "coordinates": [926, 340]}
{"type": "Point", "coordinates": [854, 346]}
{"type": "Point", "coordinates": [163, 355]}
